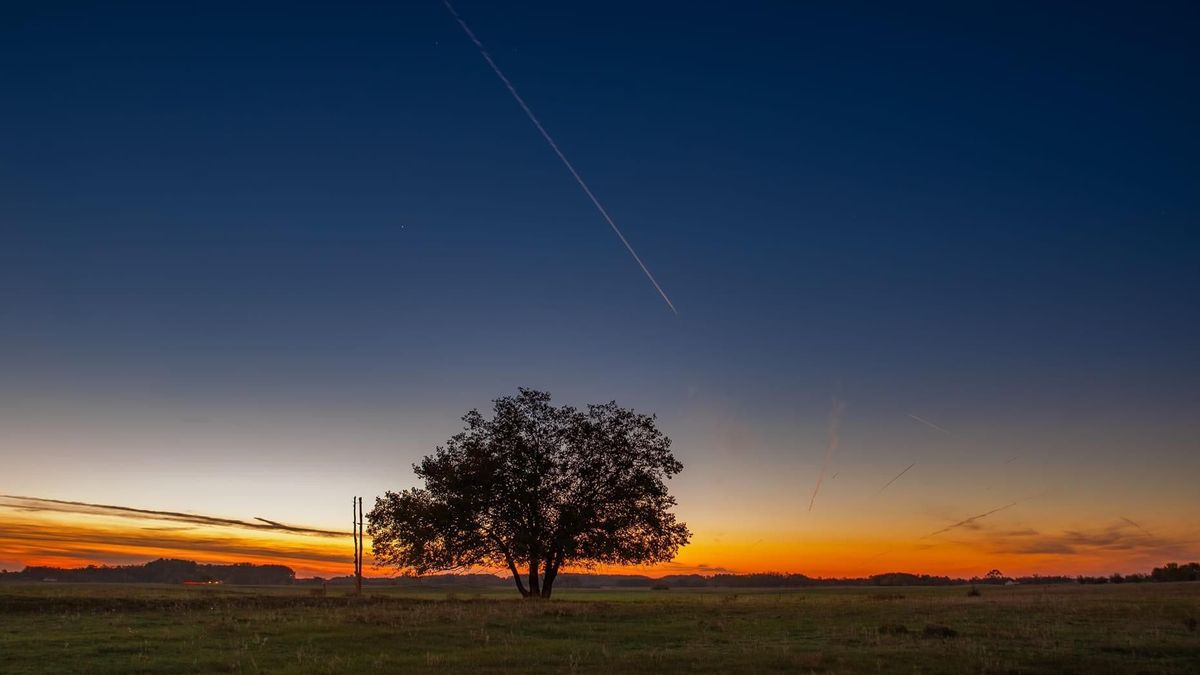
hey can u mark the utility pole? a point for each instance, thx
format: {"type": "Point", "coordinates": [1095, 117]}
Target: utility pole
{"type": "Point", "coordinates": [358, 578]}
{"type": "Point", "coordinates": [355, 509]}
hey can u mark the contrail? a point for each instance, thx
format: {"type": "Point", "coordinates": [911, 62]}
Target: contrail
{"type": "Point", "coordinates": [863, 562]}
{"type": "Point", "coordinates": [927, 423]}
{"type": "Point", "coordinates": [960, 523]}
{"type": "Point", "coordinates": [1135, 525]}
{"type": "Point", "coordinates": [64, 506]}
{"type": "Point", "coordinates": [835, 421]}
{"type": "Point", "coordinates": [896, 478]}
{"type": "Point", "coordinates": [554, 146]}
{"type": "Point", "coordinates": [968, 521]}
{"type": "Point", "coordinates": [282, 526]}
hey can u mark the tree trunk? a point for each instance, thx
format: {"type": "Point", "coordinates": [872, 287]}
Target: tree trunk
{"type": "Point", "coordinates": [520, 586]}
{"type": "Point", "coordinates": [516, 575]}
{"type": "Point", "coordinates": [548, 581]}
{"type": "Point", "coordinates": [534, 586]}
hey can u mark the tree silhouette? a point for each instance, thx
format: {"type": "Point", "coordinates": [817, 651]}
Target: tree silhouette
{"type": "Point", "coordinates": [536, 486]}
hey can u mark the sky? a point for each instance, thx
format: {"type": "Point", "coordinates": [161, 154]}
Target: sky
{"type": "Point", "coordinates": [255, 260]}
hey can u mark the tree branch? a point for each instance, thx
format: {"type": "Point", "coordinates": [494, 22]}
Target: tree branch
{"type": "Point", "coordinates": [512, 565]}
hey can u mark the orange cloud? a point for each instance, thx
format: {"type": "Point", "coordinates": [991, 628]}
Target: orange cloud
{"type": "Point", "coordinates": [46, 532]}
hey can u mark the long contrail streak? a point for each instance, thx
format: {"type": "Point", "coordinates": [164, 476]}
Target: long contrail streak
{"type": "Point", "coordinates": [896, 478]}
{"type": "Point", "coordinates": [927, 423]}
{"type": "Point", "coordinates": [962, 523]}
{"type": "Point", "coordinates": [554, 146]}
{"type": "Point", "coordinates": [970, 520]}
{"type": "Point", "coordinates": [835, 422]}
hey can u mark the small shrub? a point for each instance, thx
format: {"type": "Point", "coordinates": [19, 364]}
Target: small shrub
{"type": "Point", "coordinates": [893, 629]}
{"type": "Point", "coordinates": [660, 587]}
{"type": "Point", "coordinates": [974, 592]}
{"type": "Point", "coordinates": [1190, 623]}
{"type": "Point", "coordinates": [935, 631]}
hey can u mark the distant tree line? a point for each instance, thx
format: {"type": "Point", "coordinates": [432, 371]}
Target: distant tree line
{"type": "Point", "coordinates": [166, 571]}
{"type": "Point", "coordinates": [161, 571]}
{"type": "Point", "coordinates": [1177, 572]}
{"type": "Point", "coordinates": [998, 578]}
{"type": "Point", "coordinates": [1168, 572]}
{"type": "Point", "coordinates": [1116, 578]}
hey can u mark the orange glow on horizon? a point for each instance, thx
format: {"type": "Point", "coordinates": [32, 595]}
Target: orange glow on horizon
{"type": "Point", "coordinates": [32, 538]}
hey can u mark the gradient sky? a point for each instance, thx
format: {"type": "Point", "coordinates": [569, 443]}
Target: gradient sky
{"type": "Point", "coordinates": [255, 260]}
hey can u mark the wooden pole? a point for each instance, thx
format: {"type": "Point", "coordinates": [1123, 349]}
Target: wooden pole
{"type": "Point", "coordinates": [354, 527]}
{"type": "Point", "coordinates": [358, 582]}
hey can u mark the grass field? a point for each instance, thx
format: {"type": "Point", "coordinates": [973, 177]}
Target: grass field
{"type": "Point", "coordinates": [1137, 628]}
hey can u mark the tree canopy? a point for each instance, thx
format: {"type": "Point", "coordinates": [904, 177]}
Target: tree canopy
{"type": "Point", "coordinates": [536, 487]}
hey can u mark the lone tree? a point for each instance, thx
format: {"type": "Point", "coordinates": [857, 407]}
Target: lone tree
{"type": "Point", "coordinates": [537, 487]}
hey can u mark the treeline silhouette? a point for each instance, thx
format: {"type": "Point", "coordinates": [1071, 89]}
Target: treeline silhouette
{"type": "Point", "coordinates": [161, 571]}
{"type": "Point", "coordinates": [781, 580]}
{"type": "Point", "coordinates": [758, 580]}
{"type": "Point", "coordinates": [1168, 572]}
{"type": "Point", "coordinates": [167, 571]}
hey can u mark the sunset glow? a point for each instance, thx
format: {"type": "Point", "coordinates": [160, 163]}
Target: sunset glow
{"type": "Point", "coordinates": [903, 300]}
{"type": "Point", "coordinates": [36, 533]}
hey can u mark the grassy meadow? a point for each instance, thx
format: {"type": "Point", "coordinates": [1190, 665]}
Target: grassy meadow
{"type": "Point", "coordinates": [1137, 628]}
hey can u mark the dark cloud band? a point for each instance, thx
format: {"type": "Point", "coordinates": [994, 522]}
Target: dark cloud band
{"type": "Point", "coordinates": [65, 506]}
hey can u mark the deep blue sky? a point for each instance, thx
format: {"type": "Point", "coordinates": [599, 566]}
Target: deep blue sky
{"type": "Point", "coordinates": [301, 214]}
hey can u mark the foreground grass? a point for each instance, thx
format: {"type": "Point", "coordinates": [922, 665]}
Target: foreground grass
{"type": "Point", "coordinates": [150, 629]}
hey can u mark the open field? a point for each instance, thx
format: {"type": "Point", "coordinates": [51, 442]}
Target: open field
{"type": "Point", "coordinates": [1144, 628]}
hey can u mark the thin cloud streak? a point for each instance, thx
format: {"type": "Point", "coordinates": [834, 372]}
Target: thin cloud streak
{"type": "Point", "coordinates": [35, 504]}
{"type": "Point", "coordinates": [554, 146]}
{"type": "Point", "coordinates": [1108, 541]}
{"type": "Point", "coordinates": [969, 521]}
{"type": "Point", "coordinates": [1135, 525]}
{"type": "Point", "coordinates": [929, 424]}
{"type": "Point", "coordinates": [33, 539]}
{"type": "Point", "coordinates": [897, 477]}
{"type": "Point", "coordinates": [835, 423]}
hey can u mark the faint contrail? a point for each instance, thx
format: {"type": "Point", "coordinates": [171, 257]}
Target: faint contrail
{"type": "Point", "coordinates": [896, 478]}
{"type": "Point", "coordinates": [968, 521]}
{"type": "Point", "coordinates": [960, 523]}
{"type": "Point", "coordinates": [1135, 525]}
{"type": "Point", "coordinates": [835, 421]}
{"type": "Point", "coordinates": [927, 423]}
{"type": "Point", "coordinates": [554, 146]}
{"type": "Point", "coordinates": [282, 526]}
{"type": "Point", "coordinates": [863, 562]}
